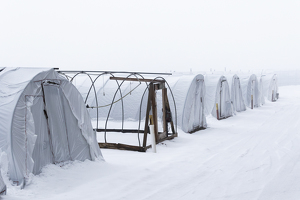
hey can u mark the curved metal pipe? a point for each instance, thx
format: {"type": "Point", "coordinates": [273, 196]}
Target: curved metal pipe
{"type": "Point", "coordinates": [119, 89]}
{"type": "Point", "coordinates": [94, 92]}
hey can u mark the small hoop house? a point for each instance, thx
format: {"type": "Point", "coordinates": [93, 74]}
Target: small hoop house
{"type": "Point", "coordinates": [250, 89]}
{"type": "Point", "coordinates": [270, 87]}
{"type": "Point", "coordinates": [217, 97]}
{"type": "Point", "coordinates": [189, 93]}
{"type": "Point", "coordinates": [236, 93]}
{"type": "Point", "coordinates": [43, 120]}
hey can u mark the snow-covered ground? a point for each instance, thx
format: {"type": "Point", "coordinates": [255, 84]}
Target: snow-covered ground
{"type": "Point", "coordinates": [253, 155]}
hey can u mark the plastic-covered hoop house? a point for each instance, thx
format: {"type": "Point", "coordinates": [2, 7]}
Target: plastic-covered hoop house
{"type": "Point", "coordinates": [261, 86]}
{"type": "Point", "coordinates": [217, 97]}
{"type": "Point", "coordinates": [236, 93]}
{"type": "Point", "coordinates": [189, 93]}
{"type": "Point", "coordinates": [270, 87]}
{"type": "Point", "coordinates": [43, 120]}
{"type": "Point", "coordinates": [250, 89]}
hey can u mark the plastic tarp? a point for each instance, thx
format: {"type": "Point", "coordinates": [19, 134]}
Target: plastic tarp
{"type": "Point", "coordinates": [250, 89]}
{"type": "Point", "coordinates": [270, 86]}
{"type": "Point", "coordinates": [189, 93]}
{"type": "Point", "coordinates": [217, 92]}
{"type": "Point", "coordinates": [236, 94]}
{"type": "Point", "coordinates": [43, 120]}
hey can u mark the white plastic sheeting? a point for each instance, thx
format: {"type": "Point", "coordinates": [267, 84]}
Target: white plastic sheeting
{"type": "Point", "coordinates": [189, 93]}
{"type": "Point", "coordinates": [236, 94]}
{"type": "Point", "coordinates": [250, 89]}
{"type": "Point", "coordinates": [2, 186]}
{"type": "Point", "coordinates": [261, 89]}
{"type": "Point", "coordinates": [270, 88]}
{"type": "Point", "coordinates": [217, 92]}
{"type": "Point", "coordinates": [43, 120]}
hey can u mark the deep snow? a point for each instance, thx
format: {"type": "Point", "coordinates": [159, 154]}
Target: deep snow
{"type": "Point", "coordinates": [253, 155]}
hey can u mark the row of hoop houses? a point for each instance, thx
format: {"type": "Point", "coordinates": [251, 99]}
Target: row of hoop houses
{"type": "Point", "coordinates": [196, 97]}
{"type": "Point", "coordinates": [46, 115]}
{"type": "Point", "coordinates": [221, 96]}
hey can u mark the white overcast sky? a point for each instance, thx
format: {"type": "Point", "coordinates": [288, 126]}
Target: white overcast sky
{"type": "Point", "coordinates": [150, 35]}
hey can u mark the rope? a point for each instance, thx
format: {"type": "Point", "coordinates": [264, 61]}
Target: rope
{"type": "Point", "coordinates": [116, 100]}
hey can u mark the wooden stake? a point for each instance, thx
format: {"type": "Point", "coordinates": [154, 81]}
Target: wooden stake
{"type": "Point", "coordinates": [154, 112]}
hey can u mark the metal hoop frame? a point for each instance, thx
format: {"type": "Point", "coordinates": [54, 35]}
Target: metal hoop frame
{"type": "Point", "coordinates": [71, 75]}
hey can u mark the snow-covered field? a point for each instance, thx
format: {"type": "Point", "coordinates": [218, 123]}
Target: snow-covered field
{"type": "Point", "coordinates": [253, 155]}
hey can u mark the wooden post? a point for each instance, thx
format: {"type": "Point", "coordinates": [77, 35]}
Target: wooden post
{"type": "Point", "coordinates": [147, 114]}
{"type": "Point", "coordinates": [154, 112]}
{"type": "Point", "coordinates": [164, 93]}
{"type": "Point", "coordinates": [217, 110]}
{"type": "Point", "coordinates": [273, 99]}
{"type": "Point", "coordinates": [251, 101]}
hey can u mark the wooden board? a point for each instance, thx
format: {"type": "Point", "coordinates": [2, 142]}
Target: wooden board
{"type": "Point", "coordinates": [135, 79]}
{"type": "Point", "coordinates": [123, 147]}
{"type": "Point", "coordinates": [121, 130]}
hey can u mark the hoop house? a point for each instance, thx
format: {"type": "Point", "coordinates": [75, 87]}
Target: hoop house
{"type": "Point", "coordinates": [236, 94]}
{"type": "Point", "coordinates": [43, 120]}
{"type": "Point", "coordinates": [217, 97]}
{"type": "Point", "coordinates": [250, 89]}
{"type": "Point", "coordinates": [189, 93]}
{"type": "Point", "coordinates": [270, 86]}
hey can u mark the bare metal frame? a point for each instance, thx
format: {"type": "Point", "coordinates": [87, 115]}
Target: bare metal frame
{"type": "Point", "coordinates": [70, 75]}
